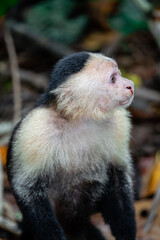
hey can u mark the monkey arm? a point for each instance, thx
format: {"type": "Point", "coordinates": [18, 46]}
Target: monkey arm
{"type": "Point", "coordinates": [38, 216]}
{"type": "Point", "coordinates": [117, 207]}
{"type": "Point", "coordinates": [31, 192]}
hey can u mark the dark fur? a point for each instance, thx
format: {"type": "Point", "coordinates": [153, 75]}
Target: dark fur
{"type": "Point", "coordinates": [62, 71]}
{"type": "Point", "coordinates": [116, 205]}
{"type": "Point", "coordinates": [39, 217]}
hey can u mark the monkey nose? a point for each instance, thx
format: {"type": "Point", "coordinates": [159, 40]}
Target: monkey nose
{"type": "Point", "coordinates": [131, 89]}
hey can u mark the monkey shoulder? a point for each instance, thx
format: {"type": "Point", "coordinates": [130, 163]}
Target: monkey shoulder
{"type": "Point", "coordinates": [36, 139]}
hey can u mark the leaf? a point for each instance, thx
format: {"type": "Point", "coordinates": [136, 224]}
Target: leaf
{"type": "Point", "coordinates": [129, 19]}
{"type": "Point", "coordinates": [6, 5]}
{"type": "Point", "coordinates": [133, 77]}
{"type": "Point", "coordinates": [52, 19]}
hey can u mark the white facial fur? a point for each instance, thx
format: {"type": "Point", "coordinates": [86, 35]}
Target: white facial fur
{"type": "Point", "coordinates": [91, 93]}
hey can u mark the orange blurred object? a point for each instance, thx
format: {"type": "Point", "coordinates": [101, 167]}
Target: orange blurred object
{"type": "Point", "coordinates": [3, 153]}
{"type": "Point", "coordinates": [155, 176]}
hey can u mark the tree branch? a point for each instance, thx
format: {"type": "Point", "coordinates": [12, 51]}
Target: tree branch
{"type": "Point", "coordinates": [15, 74]}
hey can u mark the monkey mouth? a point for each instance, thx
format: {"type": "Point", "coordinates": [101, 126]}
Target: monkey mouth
{"type": "Point", "coordinates": [126, 100]}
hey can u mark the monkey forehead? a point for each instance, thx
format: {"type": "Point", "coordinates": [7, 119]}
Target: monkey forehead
{"type": "Point", "coordinates": [101, 62]}
{"type": "Point", "coordinates": [106, 64]}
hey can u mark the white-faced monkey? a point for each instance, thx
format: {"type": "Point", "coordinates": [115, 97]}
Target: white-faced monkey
{"type": "Point", "coordinates": [69, 157]}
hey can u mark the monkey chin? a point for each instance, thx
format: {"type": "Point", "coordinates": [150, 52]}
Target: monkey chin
{"type": "Point", "coordinates": [126, 102]}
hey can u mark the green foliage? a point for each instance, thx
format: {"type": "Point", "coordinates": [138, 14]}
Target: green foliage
{"type": "Point", "coordinates": [5, 5]}
{"type": "Point", "coordinates": [133, 77]}
{"type": "Point", "coordinates": [51, 18]}
{"type": "Point", "coordinates": [5, 84]}
{"type": "Point", "coordinates": [129, 19]}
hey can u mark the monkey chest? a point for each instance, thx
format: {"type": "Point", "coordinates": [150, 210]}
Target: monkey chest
{"type": "Point", "coordinates": [72, 197]}
{"type": "Point", "coordinates": [88, 150]}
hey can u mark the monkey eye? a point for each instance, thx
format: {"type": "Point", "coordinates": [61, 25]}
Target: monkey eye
{"type": "Point", "coordinates": [113, 79]}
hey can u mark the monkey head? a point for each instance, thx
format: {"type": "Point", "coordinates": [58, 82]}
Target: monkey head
{"type": "Point", "coordinates": [95, 90]}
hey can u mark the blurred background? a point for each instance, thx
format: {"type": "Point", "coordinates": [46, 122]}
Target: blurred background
{"type": "Point", "coordinates": [34, 34]}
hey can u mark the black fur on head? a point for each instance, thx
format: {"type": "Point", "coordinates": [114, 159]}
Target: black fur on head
{"type": "Point", "coordinates": [61, 72]}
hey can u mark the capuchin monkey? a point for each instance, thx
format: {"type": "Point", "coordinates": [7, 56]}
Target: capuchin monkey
{"type": "Point", "coordinates": [69, 157]}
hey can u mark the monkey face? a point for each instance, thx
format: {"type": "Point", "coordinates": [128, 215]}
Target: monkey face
{"type": "Point", "coordinates": [96, 90]}
{"type": "Point", "coordinates": [119, 91]}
